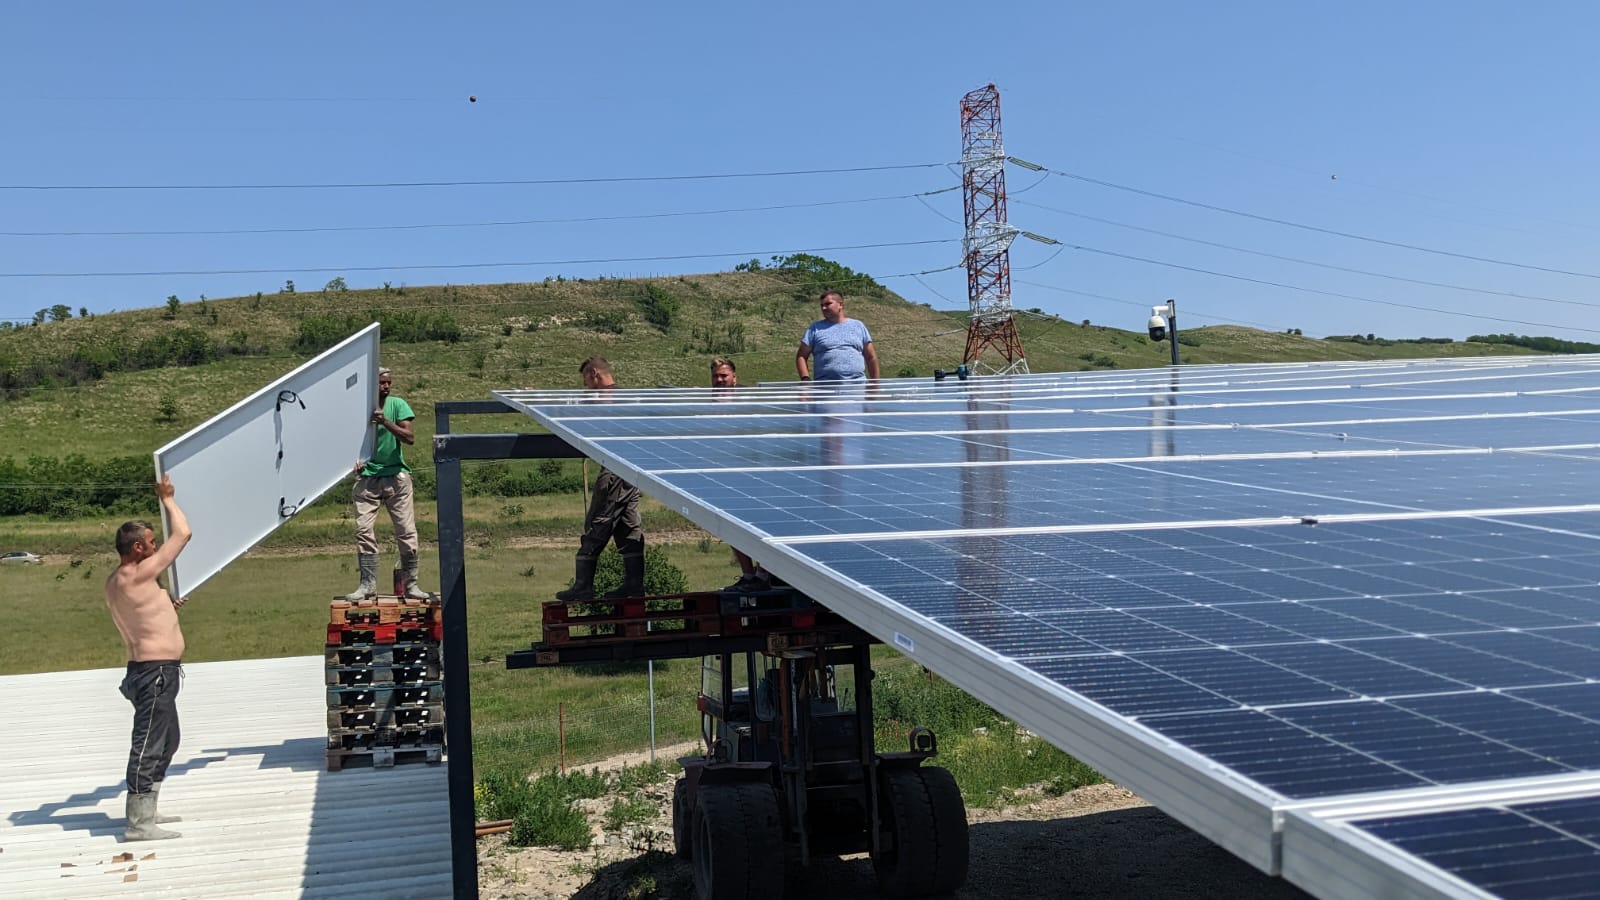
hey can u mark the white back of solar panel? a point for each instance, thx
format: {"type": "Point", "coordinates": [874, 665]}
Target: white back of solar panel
{"type": "Point", "coordinates": [251, 467]}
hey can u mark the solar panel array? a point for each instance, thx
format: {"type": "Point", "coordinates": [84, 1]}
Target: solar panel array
{"type": "Point", "coordinates": [1263, 597]}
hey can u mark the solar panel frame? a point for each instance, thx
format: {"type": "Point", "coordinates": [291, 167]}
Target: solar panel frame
{"type": "Point", "coordinates": [985, 650]}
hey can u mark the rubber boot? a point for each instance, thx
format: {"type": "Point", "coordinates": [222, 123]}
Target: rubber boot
{"type": "Point", "coordinates": [582, 583]}
{"type": "Point", "coordinates": [408, 562]}
{"type": "Point", "coordinates": [155, 788]}
{"type": "Point", "coordinates": [632, 579]}
{"type": "Point", "coordinates": [142, 820]}
{"type": "Point", "coordinates": [368, 563]}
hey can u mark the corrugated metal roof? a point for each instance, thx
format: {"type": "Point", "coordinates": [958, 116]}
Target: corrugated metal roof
{"type": "Point", "coordinates": [262, 816]}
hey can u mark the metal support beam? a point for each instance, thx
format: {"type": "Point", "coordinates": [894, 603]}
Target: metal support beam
{"type": "Point", "coordinates": [456, 447]}
{"type": "Point", "coordinates": [457, 680]}
{"type": "Point", "coordinates": [448, 452]}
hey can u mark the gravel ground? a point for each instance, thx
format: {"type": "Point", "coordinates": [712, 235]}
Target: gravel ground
{"type": "Point", "coordinates": [1099, 841]}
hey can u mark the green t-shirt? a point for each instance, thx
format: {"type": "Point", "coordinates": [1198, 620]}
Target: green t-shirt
{"type": "Point", "coordinates": [387, 458]}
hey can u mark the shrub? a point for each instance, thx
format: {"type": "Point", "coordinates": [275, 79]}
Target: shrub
{"type": "Point", "coordinates": [407, 327]}
{"type": "Point", "coordinates": [659, 307]}
{"type": "Point", "coordinates": [319, 332]}
{"type": "Point", "coordinates": [605, 322]}
{"type": "Point", "coordinates": [625, 811]}
{"type": "Point", "coordinates": [724, 337]}
{"type": "Point", "coordinates": [660, 575]}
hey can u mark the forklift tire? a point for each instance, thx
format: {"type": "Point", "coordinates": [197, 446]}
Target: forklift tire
{"type": "Point", "coordinates": [927, 823]}
{"type": "Point", "coordinates": [682, 836]}
{"type": "Point", "coordinates": [738, 842]}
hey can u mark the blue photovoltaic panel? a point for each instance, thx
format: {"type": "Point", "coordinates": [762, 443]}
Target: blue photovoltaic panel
{"type": "Point", "coordinates": [1268, 586]}
{"type": "Point", "coordinates": [1534, 850]}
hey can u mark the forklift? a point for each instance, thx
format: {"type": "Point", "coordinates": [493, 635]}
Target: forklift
{"type": "Point", "coordinates": [789, 769]}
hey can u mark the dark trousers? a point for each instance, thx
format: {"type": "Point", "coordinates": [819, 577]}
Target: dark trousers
{"type": "Point", "coordinates": [613, 513]}
{"type": "Point", "coordinates": [152, 687]}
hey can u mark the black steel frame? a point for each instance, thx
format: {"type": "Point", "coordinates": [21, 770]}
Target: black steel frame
{"type": "Point", "coordinates": [448, 452]}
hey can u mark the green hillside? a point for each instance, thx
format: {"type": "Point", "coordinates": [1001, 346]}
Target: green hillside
{"type": "Point", "coordinates": [527, 335]}
{"type": "Point", "coordinates": [86, 399]}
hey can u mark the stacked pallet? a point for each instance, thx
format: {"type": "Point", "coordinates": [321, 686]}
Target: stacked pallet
{"type": "Point", "coordinates": [385, 684]}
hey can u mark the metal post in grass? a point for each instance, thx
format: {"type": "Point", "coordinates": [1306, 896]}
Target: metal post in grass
{"type": "Point", "coordinates": [650, 681]}
{"type": "Point", "coordinates": [561, 734]}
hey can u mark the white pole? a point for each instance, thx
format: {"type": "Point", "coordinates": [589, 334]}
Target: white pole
{"type": "Point", "coordinates": [650, 676]}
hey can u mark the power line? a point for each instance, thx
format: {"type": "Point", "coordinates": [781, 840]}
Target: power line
{"type": "Point", "coordinates": [498, 182]}
{"type": "Point", "coordinates": [499, 224]}
{"type": "Point", "coordinates": [1307, 262]}
{"type": "Point", "coordinates": [1342, 296]}
{"type": "Point", "coordinates": [480, 265]}
{"type": "Point", "coordinates": [1145, 304]}
{"type": "Point", "coordinates": [1315, 228]}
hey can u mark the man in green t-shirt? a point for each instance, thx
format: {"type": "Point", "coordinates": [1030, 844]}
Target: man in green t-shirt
{"type": "Point", "coordinates": [385, 480]}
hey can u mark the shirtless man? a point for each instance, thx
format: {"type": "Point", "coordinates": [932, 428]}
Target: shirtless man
{"type": "Point", "coordinates": [147, 618]}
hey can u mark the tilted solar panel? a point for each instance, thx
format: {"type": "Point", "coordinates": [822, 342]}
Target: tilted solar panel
{"type": "Point", "coordinates": [1242, 591]}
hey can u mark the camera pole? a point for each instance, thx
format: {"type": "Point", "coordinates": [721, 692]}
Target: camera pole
{"type": "Point", "coordinates": [1172, 327]}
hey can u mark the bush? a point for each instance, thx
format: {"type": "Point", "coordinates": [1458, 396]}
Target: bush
{"type": "Point", "coordinates": [46, 485]}
{"type": "Point", "coordinates": [625, 811]}
{"type": "Point", "coordinates": [319, 332]}
{"type": "Point", "coordinates": [605, 322]}
{"type": "Point", "coordinates": [660, 575]}
{"type": "Point", "coordinates": [405, 327]}
{"type": "Point", "coordinates": [721, 338]}
{"type": "Point", "coordinates": [550, 820]}
{"type": "Point", "coordinates": [659, 307]}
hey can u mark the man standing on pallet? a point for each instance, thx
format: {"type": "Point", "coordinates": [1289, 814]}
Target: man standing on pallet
{"type": "Point", "coordinates": [147, 618]}
{"type": "Point", "coordinates": [385, 480]}
{"type": "Point", "coordinates": [613, 514]}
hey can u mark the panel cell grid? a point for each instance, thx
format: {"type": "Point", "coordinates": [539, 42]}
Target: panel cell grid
{"type": "Point", "coordinates": [1233, 588]}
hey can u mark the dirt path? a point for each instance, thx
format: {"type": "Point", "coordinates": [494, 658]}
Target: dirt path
{"type": "Point", "coordinates": [1100, 841]}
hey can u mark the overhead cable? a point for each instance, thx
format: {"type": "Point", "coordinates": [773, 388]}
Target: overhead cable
{"type": "Point", "coordinates": [1320, 292]}
{"type": "Point", "coordinates": [1306, 262]}
{"type": "Point", "coordinates": [499, 224]}
{"type": "Point", "coordinates": [1314, 228]}
{"type": "Point", "coordinates": [480, 265]}
{"type": "Point", "coordinates": [493, 182]}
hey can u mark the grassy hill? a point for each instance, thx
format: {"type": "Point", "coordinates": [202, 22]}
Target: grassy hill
{"type": "Point", "coordinates": [534, 335]}
{"type": "Point", "coordinates": [88, 399]}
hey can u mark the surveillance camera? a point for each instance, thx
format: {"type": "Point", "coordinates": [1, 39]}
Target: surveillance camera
{"type": "Point", "coordinates": [1158, 328]}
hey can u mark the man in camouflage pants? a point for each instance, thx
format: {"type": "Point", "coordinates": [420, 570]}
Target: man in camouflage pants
{"type": "Point", "coordinates": [613, 515]}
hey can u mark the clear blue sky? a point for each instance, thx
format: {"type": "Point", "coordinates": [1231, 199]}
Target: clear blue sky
{"type": "Point", "coordinates": [1462, 127]}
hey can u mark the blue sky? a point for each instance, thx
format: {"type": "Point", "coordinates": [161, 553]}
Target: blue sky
{"type": "Point", "coordinates": [1463, 128]}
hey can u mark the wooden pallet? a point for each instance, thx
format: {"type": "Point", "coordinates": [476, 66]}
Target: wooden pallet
{"type": "Point", "coordinates": [385, 695]}
{"type": "Point", "coordinates": [674, 616]}
{"type": "Point", "coordinates": [414, 716]}
{"type": "Point", "coordinates": [393, 738]}
{"type": "Point", "coordinates": [349, 676]}
{"type": "Point", "coordinates": [348, 635]}
{"type": "Point", "coordinates": [418, 654]}
{"type": "Point", "coordinates": [383, 757]}
{"type": "Point", "coordinates": [384, 610]}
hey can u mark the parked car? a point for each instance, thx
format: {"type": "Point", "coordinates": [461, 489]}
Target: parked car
{"type": "Point", "coordinates": [21, 556]}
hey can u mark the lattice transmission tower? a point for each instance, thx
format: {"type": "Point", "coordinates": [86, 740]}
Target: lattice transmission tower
{"type": "Point", "coordinates": [987, 244]}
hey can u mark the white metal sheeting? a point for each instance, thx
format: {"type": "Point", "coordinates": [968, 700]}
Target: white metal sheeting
{"type": "Point", "coordinates": [261, 815]}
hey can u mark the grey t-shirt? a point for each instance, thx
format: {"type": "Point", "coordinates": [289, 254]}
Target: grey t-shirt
{"type": "Point", "coordinates": [838, 349]}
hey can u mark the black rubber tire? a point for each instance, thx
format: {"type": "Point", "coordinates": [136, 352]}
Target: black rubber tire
{"type": "Point", "coordinates": [738, 842]}
{"type": "Point", "coordinates": [682, 835]}
{"type": "Point", "coordinates": [927, 824]}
